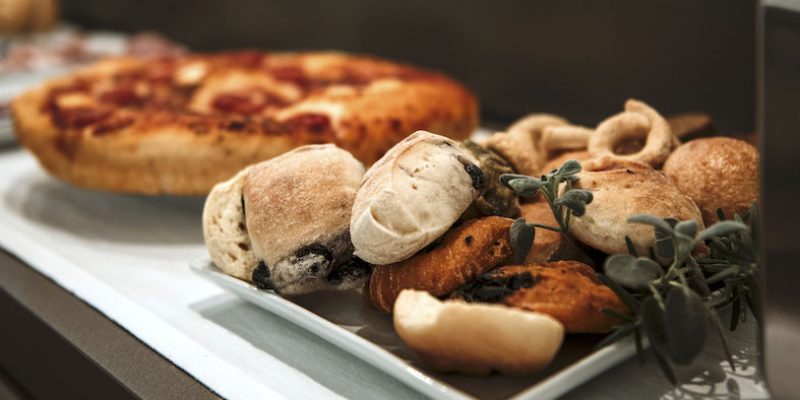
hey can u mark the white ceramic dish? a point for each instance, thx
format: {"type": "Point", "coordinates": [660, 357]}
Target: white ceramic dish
{"type": "Point", "coordinates": [343, 319]}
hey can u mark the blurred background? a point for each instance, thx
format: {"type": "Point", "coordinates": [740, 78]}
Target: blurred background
{"type": "Point", "coordinates": [577, 58]}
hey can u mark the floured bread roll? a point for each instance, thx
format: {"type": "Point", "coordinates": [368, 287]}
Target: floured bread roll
{"type": "Point", "coordinates": [411, 196]}
{"type": "Point", "coordinates": [284, 223]}
{"type": "Point", "coordinates": [622, 189]}
{"type": "Point", "coordinates": [454, 336]}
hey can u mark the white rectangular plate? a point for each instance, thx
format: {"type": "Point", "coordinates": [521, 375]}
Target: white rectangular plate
{"type": "Point", "coordinates": [343, 319]}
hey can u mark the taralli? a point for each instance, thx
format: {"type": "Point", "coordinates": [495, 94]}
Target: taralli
{"type": "Point", "coordinates": [638, 121]}
{"type": "Point", "coordinates": [521, 144]}
{"type": "Point", "coordinates": [454, 336]}
{"type": "Point", "coordinates": [565, 137]}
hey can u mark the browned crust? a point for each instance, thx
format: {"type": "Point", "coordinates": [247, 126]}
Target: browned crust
{"type": "Point", "coordinates": [716, 172]}
{"type": "Point", "coordinates": [465, 253]}
{"type": "Point", "coordinates": [186, 153]}
{"type": "Point", "coordinates": [568, 291]}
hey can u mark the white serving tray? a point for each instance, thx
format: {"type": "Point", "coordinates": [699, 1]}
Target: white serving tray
{"type": "Point", "coordinates": [343, 319]}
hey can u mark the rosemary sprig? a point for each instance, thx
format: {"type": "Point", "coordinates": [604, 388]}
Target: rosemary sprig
{"type": "Point", "coordinates": [673, 297]}
{"type": "Point", "coordinates": [675, 304]}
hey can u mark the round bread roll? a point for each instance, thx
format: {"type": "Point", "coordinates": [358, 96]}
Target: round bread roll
{"type": "Point", "coordinates": [454, 336]}
{"type": "Point", "coordinates": [465, 252]}
{"type": "Point", "coordinates": [284, 223]}
{"type": "Point", "coordinates": [622, 189]}
{"type": "Point", "coordinates": [717, 173]}
{"type": "Point", "coordinates": [411, 196]}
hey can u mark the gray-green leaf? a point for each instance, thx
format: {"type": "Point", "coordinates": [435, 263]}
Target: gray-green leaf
{"type": "Point", "coordinates": [570, 167]}
{"type": "Point", "coordinates": [522, 235]}
{"type": "Point", "coordinates": [721, 228]}
{"type": "Point", "coordinates": [525, 187]}
{"type": "Point", "coordinates": [632, 272]}
{"type": "Point", "coordinates": [686, 325]}
{"type": "Point", "coordinates": [651, 220]}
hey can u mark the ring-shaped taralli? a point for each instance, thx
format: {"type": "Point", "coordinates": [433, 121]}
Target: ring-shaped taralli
{"type": "Point", "coordinates": [521, 144]}
{"type": "Point", "coordinates": [637, 121]}
{"type": "Point", "coordinates": [565, 137]}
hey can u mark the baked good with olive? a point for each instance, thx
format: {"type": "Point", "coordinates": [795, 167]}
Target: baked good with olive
{"type": "Point", "coordinates": [259, 226]}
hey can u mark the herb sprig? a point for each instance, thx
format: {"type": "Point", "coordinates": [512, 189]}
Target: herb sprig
{"type": "Point", "coordinates": [564, 204]}
{"type": "Point", "coordinates": [674, 295]}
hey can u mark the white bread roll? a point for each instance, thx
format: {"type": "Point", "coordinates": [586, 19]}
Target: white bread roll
{"type": "Point", "coordinates": [411, 196]}
{"type": "Point", "coordinates": [225, 231]}
{"type": "Point", "coordinates": [284, 223]}
{"type": "Point", "coordinates": [473, 338]}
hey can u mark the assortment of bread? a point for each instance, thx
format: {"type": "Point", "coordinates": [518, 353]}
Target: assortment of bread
{"type": "Point", "coordinates": [427, 230]}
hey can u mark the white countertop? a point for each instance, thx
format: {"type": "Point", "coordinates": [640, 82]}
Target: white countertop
{"type": "Point", "coordinates": [127, 256]}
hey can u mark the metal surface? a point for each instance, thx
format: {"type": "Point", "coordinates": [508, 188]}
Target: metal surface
{"type": "Point", "coordinates": [54, 346]}
{"type": "Point", "coordinates": [780, 191]}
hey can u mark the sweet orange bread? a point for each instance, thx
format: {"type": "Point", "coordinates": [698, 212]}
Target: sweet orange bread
{"type": "Point", "coordinates": [453, 336]}
{"type": "Point", "coordinates": [568, 291]}
{"type": "Point", "coordinates": [546, 243]}
{"type": "Point", "coordinates": [464, 253]}
{"type": "Point", "coordinates": [717, 173]}
{"type": "Point", "coordinates": [181, 124]}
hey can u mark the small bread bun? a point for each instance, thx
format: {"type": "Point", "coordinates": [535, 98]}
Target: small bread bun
{"type": "Point", "coordinates": [622, 189]}
{"type": "Point", "coordinates": [283, 224]}
{"type": "Point", "coordinates": [546, 242]}
{"type": "Point", "coordinates": [225, 229]}
{"type": "Point", "coordinates": [298, 214]}
{"type": "Point", "coordinates": [717, 172]}
{"type": "Point", "coordinates": [411, 196]}
{"type": "Point", "coordinates": [568, 291]}
{"type": "Point", "coordinates": [454, 336]}
{"type": "Point", "coordinates": [465, 252]}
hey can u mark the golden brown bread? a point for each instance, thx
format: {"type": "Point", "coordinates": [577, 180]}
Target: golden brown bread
{"type": "Point", "coordinates": [465, 252]}
{"type": "Point", "coordinates": [179, 125]}
{"type": "Point", "coordinates": [453, 336]}
{"type": "Point", "coordinates": [568, 291]}
{"type": "Point", "coordinates": [557, 161]}
{"type": "Point", "coordinates": [717, 172]}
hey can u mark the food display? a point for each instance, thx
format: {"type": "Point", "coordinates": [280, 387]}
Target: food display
{"type": "Point", "coordinates": [428, 233]}
{"type": "Point", "coordinates": [181, 124]}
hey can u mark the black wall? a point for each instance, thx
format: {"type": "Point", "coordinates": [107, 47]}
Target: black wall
{"type": "Point", "coordinates": [578, 58]}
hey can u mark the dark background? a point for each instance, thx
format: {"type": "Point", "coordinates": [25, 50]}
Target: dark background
{"type": "Point", "coordinates": [577, 58]}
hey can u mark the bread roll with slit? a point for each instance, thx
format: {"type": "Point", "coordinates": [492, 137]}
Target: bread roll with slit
{"type": "Point", "coordinates": [411, 196]}
{"type": "Point", "coordinates": [453, 336]}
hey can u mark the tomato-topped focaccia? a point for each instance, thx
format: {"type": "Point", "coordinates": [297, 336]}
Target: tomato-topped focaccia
{"type": "Point", "coordinates": [179, 125]}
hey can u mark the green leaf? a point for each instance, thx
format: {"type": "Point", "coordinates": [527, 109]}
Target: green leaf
{"type": "Point", "coordinates": [721, 215]}
{"type": "Point", "coordinates": [630, 302]}
{"type": "Point", "coordinates": [664, 245]}
{"type": "Point", "coordinates": [505, 178]}
{"type": "Point", "coordinates": [570, 167]}
{"type": "Point", "coordinates": [632, 272]}
{"type": "Point", "coordinates": [525, 187]}
{"type": "Point", "coordinates": [721, 333]}
{"type": "Point", "coordinates": [650, 220]}
{"type": "Point", "coordinates": [721, 228]}
{"type": "Point", "coordinates": [753, 299]}
{"type": "Point", "coordinates": [685, 325]}
{"type": "Point", "coordinates": [688, 228]}
{"type": "Point", "coordinates": [576, 200]}
{"type": "Point", "coordinates": [522, 235]}
{"type": "Point", "coordinates": [736, 313]}
{"type": "Point", "coordinates": [631, 248]}
{"type": "Point", "coordinates": [653, 317]}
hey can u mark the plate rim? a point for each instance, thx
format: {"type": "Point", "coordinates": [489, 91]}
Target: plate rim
{"type": "Point", "coordinates": [551, 387]}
